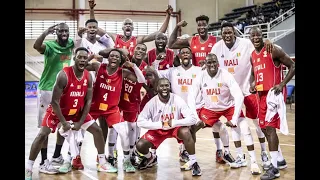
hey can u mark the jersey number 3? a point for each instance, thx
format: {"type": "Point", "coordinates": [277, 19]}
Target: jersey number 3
{"type": "Point", "coordinates": [75, 103]}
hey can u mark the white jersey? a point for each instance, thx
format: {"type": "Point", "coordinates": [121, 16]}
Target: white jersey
{"type": "Point", "coordinates": [220, 92]}
{"type": "Point", "coordinates": [156, 112]}
{"type": "Point", "coordinates": [236, 61]}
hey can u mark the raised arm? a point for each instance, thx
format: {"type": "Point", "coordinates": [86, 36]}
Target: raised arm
{"type": "Point", "coordinates": [38, 44]}
{"type": "Point", "coordinates": [88, 99]}
{"type": "Point", "coordinates": [174, 42]}
{"type": "Point", "coordinates": [60, 84]}
{"type": "Point", "coordinates": [93, 66]}
{"type": "Point", "coordinates": [163, 29]}
{"type": "Point", "coordinates": [92, 4]}
{"type": "Point", "coordinates": [105, 53]}
{"type": "Point", "coordinates": [137, 76]}
{"type": "Point", "coordinates": [144, 119]}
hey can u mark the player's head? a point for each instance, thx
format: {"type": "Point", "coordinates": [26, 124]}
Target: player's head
{"type": "Point", "coordinates": [150, 78]}
{"type": "Point", "coordinates": [163, 88]}
{"type": "Point", "coordinates": [228, 33]}
{"type": "Point", "coordinates": [115, 58]}
{"type": "Point", "coordinates": [62, 32]}
{"type": "Point", "coordinates": [202, 25]}
{"type": "Point", "coordinates": [256, 37]}
{"type": "Point", "coordinates": [81, 58]}
{"type": "Point", "coordinates": [185, 56]}
{"type": "Point", "coordinates": [127, 27]}
{"type": "Point", "coordinates": [212, 64]}
{"type": "Point", "coordinates": [140, 51]}
{"type": "Point", "coordinates": [92, 26]}
{"type": "Point", "coordinates": [161, 41]}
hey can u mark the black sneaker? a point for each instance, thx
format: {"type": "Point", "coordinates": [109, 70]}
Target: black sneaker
{"type": "Point", "coordinates": [228, 158]}
{"type": "Point", "coordinates": [282, 164]}
{"type": "Point", "coordinates": [146, 162]}
{"type": "Point", "coordinates": [184, 156]}
{"type": "Point", "coordinates": [111, 160]}
{"type": "Point", "coordinates": [154, 162]}
{"type": "Point", "coordinates": [271, 173]}
{"type": "Point", "coordinates": [196, 171]}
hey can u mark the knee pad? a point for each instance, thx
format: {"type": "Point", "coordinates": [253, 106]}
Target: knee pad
{"type": "Point", "coordinates": [132, 128]}
{"type": "Point", "coordinates": [122, 130]}
{"type": "Point", "coordinates": [112, 136]}
{"type": "Point", "coordinates": [248, 139]}
{"type": "Point", "coordinates": [236, 134]}
{"type": "Point", "coordinates": [244, 127]}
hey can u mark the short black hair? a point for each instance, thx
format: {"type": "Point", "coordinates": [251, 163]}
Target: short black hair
{"type": "Point", "coordinates": [142, 44]}
{"type": "Point", "coordinates": [121, 55]}
{"type": "Point", "coordinates": [91, 20]}
{"type": "Point", "coordinates": [184, 48]}
{"type": "Point", "coordinates": [227, 24]}
{"type": "Point", "coordinates": [81, 49]}
{"type": "Point", "coordinates": [212, 55]}
{"type": "Point", "coordinates": [163, 78]}
{"type": "Point", "coordinates": [202, 17]}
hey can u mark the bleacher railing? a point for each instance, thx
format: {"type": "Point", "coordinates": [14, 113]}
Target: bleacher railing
{"type": "Point", "coordinates": [274, 35]}
{"type": "Point", "coordinates": [33, 65]}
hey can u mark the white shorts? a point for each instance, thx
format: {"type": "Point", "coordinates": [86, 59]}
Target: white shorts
{"type": "Point", "coordinates": [43, 100]}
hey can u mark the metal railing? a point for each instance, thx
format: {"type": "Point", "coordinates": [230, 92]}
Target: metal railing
{"type": "Point", "coordinates": [33, 65]}
{"type": "Point", "coordinates": [274, 35]}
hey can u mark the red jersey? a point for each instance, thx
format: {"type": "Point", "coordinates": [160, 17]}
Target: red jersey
{"type": "Point", "coordinates": [266, 74]}
{"type": "Point", "coordinates": [129, 45]}
{"type": "Point", "coordinates": [166, 63]}
{"type": "Point", "coordinates": [200, 50]}
{"type": "Point", "coordinates": [146, 99]}
{"type": "Point", "coordinates": [106, 89]}
{"type": "Point", "coordinates": [73, 95]}
{"type": "Point", "coordinates": [130, 95]}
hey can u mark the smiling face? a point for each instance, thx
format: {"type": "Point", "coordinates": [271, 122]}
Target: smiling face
{"type": "Point", "coordinates": [62, 32]}
{"type": "Point", "coordinates": [81, 60]}
{"type": "Point", "coordinates": [212, 64]}
{"type": "Point", "coordinates": [161, 41]}
{"type": "Point", "coordinates": [256, 37]}
{"type": "Point", "coordinates": [140, 51]}
{"type": "Point", "coordinates": [114, 59]}
{"type": "Point", "coordinates": [92, 30]}
{"type": "Point", "coordinates": [202, 28]}
{"type": "Point", "coordinates": [163, 89]}
{"type": "Point", "coordinates": [228, 36]}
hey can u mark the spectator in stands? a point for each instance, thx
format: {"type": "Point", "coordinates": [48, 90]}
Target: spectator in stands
{"type": "Point", "coordinates": [239, 25]}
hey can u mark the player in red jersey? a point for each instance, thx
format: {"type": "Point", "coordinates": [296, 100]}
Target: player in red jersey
{"type": "Point", "coordinates": [200, 45]}
{"type": "Point", "coordinates": [267, 76]}
{"type": "Point", "coordinates": [161, 43]}
{"type": "Point", "coordinates": [71, 100]}
{"type": "Point", "coordinates": [106, 97]}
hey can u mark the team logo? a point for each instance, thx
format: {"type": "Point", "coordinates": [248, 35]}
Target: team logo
{"type": "Point", "coordinates": [194, 47]}
{"type": "Point", "coordinates": [210, 45]}
{"type": "Point", "coordinates": [264, 53]}
{"type": "Point", "coordinates": [205, 85]}
{"type": "Point", "coordinates": [101, 76]}
{"type": "Point", "coordinates": [160, 111]}
{"type": "Point", "coordinates": [202, 48]}
{"type": "Point", "coordinates": [85, 82]}
{"type": "Point", "coordinates": [178, 74]}
{"type": "Point", "coordinates": [222, 56]}
{"type": "Point", "coordinates": [108, 81]}
{"type": "Point", "coordinates": [194, 75]}
{"type": "Point", "coordinates": [258, 60]}
{"type": "Point", "coordinates": [71, 85]}
{"type": "Point", "coordinates": [78, 86]}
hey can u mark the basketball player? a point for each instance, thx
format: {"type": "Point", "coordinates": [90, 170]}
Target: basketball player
{"type": "Point", "coordinates": [222, 96]}
{"type": "Point", "coordinates": [106, 97]}
{"type": "Point", "coordinates": [267, 76]}
{"type": "Point", "coordinates": [165, 116]}
{"type": "Point", "coordinates": [57, 54]}
{"type": "Point", "coordinates": [71, 100]}
{"type": "Point", "coordinates": [200, 47]}
{"type": "Point", "coordinates": [161, 43]}
{"type": "Point", "coordinates": [233, 54]}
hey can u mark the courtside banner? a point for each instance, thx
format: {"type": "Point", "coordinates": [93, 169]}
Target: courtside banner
{"type": "Point", "coordinates": [31, 89]}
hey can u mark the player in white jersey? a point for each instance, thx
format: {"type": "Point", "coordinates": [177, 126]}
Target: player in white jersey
{"type": "Point", "coordinates": [233, 54]}
{"type": "Point", "coordinates": [181, 79]}
{"type": "Point", "coordinates": [166, 116]}
{"type": "Point", "coordinates": [222, 96]}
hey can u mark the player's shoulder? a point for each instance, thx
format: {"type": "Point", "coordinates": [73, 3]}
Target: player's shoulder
{"type": "Point", "coordinates": [244, 40]}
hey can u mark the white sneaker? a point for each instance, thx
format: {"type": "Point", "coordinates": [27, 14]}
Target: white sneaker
{"type": "Point", "coordinates": [65, 168]}
{"type": "Point", "coordinates": [240, 162]}
{"type": "Point", "coordinates": [47, 168]}
{"type": "Point", "coordinates": [187, 166]}
{"type": "Point", "coordinates": [255, 170]}
{"type": "Point", "coordinates": [57, 161]}
{"type": "Point", "coordinates": [107, 167]}
{"type": "Point", "coordinates": [265, 160]}
{"type": "Point", "coordinates": [28, 174]}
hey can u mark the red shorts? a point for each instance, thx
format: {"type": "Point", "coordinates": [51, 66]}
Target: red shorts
{"type": "Point", "coordinates": [156, 137]}
{"type": "Point", "coordinates": [51, 121]}
{"type": "Point", "coordinates": [275, 121]}
{"type": "Point", "coordinates": [210, 117]}
{"type": "Point", "coordinates": [112, 115]}
{"type": "Point", "coordinates": [130, 116]}
{"type": "Point", "coordinates": [252, 105]}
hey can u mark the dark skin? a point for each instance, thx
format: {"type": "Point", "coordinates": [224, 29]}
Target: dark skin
{"type": "Point", "coordinates": [128, 27]}
{"type": "Point", "coordinates": [279, 57]}
{"type": "Point", "coordinates": [81, 59]}
{"type": "Point", "coordinates": [143, 145]}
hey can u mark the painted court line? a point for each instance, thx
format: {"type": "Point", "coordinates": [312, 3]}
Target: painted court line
{"type": "Point", "coordinates": [88, 175]}
{"type": "Point", "coordinates": [277, 131]}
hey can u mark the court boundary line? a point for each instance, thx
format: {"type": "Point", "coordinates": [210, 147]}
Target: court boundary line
{"type": "Point", "coordinates": [278, 132]}
{"type": "Point", "coordinates": [88, 175]}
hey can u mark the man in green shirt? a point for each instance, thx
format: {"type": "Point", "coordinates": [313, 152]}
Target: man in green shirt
{"type": "Point", "coordinates": [57, 54]}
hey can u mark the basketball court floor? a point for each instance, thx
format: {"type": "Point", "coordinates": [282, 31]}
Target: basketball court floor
{"type": "Point", "coordinates": [168, 167]}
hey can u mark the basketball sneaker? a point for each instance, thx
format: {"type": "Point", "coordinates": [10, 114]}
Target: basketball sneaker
{"type": "Point", "coordinates": [282, 164]}
{"type": "Point", "coordinates": [134, 160]}
{"type": "Point", "coordinates": [255, 170]}
{"type": "Point", "coordinates": [97, 160]}
{"type": "Point", "coordinates": [57, 161]}
{"type": "Point", "coordinates": [47, 168]}
{"type": "Point", "coordinates": [184, 156]}
{"type": "Point", "coordinates": [271, 173]}
{"type": "Point", "coordinates": [239, 162]}
{"type": "Point", "coordinates": [145, 163]}
{"type": "Point", "coordinates": [28, 174]}
{"type": "Point", "coordinates": [186, 167]}
{"type": "Point", "coordinates": [196, 171]}
{"type": "Point", "coordinates": [219, 157]}
{"type": "Point", "coordinates": [115, 155]}
{"type": "Point", "coordinates": [107, 167]}
{"type": "Point", "coordinates": [111, 160]}
{"type": "Point", "coordinates": [128, 167]}
{"type": "Point", "coordinates": [265, 160]}
{"type": "Point", "coordinates": [154, 162]}
{"type": "Point", "coordinates": [228, 158]}
{"type": "Point", "coordinates": [65, 168]}
{"type": "Point", "coordinates": [77, 164]}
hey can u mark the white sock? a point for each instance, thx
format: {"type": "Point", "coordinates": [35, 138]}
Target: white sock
{"type": "Point", "coordinates": [218, 143]}
{"type": "Point", "coordinates": [29, 165]}
{"type": "Point", "coordinates": [252, 156]}
{"type": "Point", "coordinates": [102, 158]}
{"type": "Point", "coordinates": [126, 157]}
{"type": "Point", "coordinates": [110, 151]}
{"type": "Point", "coordinates": [263, 146]}
{"type": "Point", "coordinates": [153, 151]}
{"type": "Point", "coordinates": [148, 155]}
{"type": "Point", "coordinates": [192, 159]}
{"type": "Point", "coordinates": [239, 151]}
{"type": "Point", "coordinates": [68, 158]}
{"type": "Point", "coordinates": [131, 151]}
{"type": "Point", "coordinates": [280, 156]}
{"type": "Point", "coordinates": [226, 150]}
{"type": "Point", "coordinates": [274, 157]}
